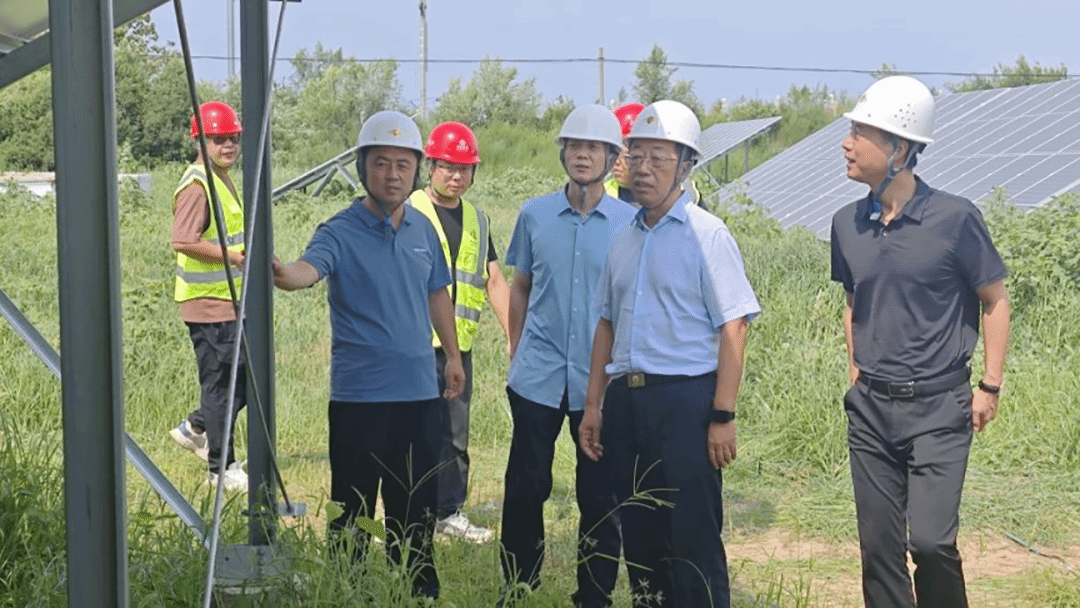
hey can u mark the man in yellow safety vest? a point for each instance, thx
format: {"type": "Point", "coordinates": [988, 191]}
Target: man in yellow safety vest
{"type": "Point", "coordinates": [202, 289]}
{"type": "Point", "coordinates": [470, 252]}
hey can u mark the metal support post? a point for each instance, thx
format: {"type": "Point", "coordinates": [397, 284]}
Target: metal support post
{"type": "Point", "coordinates": [84, 123]}
{"type": "Point", "coordinates": [254, 73]}
{"type": "Point", "coordinates": [600, 100]}
{"type": "Point", "coordinates": [423, 59]}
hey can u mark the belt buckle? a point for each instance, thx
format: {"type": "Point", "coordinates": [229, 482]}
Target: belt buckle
{"type": "Point", "coordinates": [902, 390]}
{"type": "Point", "coordinates": [635, 380]}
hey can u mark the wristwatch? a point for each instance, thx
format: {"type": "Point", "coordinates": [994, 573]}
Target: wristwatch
{"type": "Point", "coordinates": [721, 416]}
{"type": "Point", "coordinates": [989, 388]}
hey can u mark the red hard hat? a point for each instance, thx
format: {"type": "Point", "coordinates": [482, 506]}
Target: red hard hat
{"type": "Point", "coordinates": [217, 118]}
{"type": "Point", "coordinates": [454, 143]}
{"type": "Point", "coordinates": [627, 115]}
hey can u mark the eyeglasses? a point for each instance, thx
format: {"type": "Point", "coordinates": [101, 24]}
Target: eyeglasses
{"type": "Point", "coordinates": [453, 168]}
{"type": "Point", "coordinates": [655, 162]}
{"type": "Point", "coordinates": [220, 140]}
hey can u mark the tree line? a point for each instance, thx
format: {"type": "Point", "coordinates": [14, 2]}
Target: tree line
{"type": "Point", "coordinates": [318, 110]}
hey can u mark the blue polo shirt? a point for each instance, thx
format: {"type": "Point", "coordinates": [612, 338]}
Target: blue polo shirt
{"type": "Point", "coordinates": [669, 288]}
{"type": "Point", "coordinates": [378, 281]}
{"type": "Point", "coordinates": [564, 253]}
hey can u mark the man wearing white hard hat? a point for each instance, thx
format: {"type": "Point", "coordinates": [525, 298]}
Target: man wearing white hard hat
{"type": "Point", "coordinates": [667, 359]}
{"type": "Point", "coordinates": [919, 269]}
{"type": "Point", "coordinates": [558, 249]}
{"type": "Point", "coordinates": [387, 281]}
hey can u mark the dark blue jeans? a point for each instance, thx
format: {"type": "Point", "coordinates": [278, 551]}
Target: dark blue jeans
{"type": "Point", "coordinates": [528, 486]}
{"type": "Point", "coordinates": [672, 513]}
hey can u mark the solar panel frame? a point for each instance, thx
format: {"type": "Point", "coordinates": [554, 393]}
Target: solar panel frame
{"type": "Point", "coordinates": [1023, 139]}
{"type": "Point", "coordinates": [21, 21]}
{"type": "Point", "coordinates": [721, 138]}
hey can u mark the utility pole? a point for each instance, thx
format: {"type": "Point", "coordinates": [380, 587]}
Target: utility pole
{"type": "Point", "coordinates": [230, 37]}
{"type": "Point", "coordinates": [600, 100]}
{"type": "Point", "coordinates": [423, 59]}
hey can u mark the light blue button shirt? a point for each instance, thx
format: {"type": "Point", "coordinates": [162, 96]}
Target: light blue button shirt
{"type": "Point", "coordinates": [564, 253]}
{"type": "Point", "coordinates": [378, 281]}
{"type": "Point", "coordinates": [668, 289]}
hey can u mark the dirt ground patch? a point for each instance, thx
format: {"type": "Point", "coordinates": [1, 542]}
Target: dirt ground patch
{"type": "Point", "coordinates": [833, 569]}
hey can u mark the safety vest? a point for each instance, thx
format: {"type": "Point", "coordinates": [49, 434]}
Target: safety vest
{"type": "Point", "coordinates": [611, 186]}
{"type": "Point", "coordinates": [197, 279]}
{"type": "Point", "coordinates": [470, 277]}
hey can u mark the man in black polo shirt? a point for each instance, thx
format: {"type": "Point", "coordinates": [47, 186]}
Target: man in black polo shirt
{"type": "Point", "coordinates": [916, 264]}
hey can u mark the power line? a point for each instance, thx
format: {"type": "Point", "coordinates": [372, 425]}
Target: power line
{"type": "Point", "coordinates": [676, 64]}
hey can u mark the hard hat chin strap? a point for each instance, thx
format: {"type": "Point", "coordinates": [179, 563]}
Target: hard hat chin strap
{"type": "Point", "coordinates": [684, 155]}
{"type": "Point", "coordinates": [894, 170]}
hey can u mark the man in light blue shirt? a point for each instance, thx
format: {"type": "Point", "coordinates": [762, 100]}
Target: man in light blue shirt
{"type": "Point", "coordinates": [674, 306]}
{"type": "Point", "coordinates": [558, 250]}
{"type": "Point", "coordinates": [387, 281]}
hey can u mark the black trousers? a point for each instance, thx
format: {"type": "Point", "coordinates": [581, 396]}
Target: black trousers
{"type": "Point", "coordinates": [908, 461]}
{"type": "Point", "coordinates": [528, 486]}
{"type": "Point", "coordinates": [395, 443]}
{"type": "Point", "coordinates": [214, 344]}
{"type": "Point", "coordinates": [671, 496]}
{"type": "Point", "coordinates": [454, 455]}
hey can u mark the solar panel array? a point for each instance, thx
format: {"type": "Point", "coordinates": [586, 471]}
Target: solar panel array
{"type": "Point", "coordinates": [724, 137]}
{"type": "Point", "coordinates": [1024, 139]}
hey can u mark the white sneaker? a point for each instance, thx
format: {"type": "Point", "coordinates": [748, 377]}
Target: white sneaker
{"type": "Point", "coordinates": [236, 480]}
{"type": "Point", "coordinates": [459, 526]}
{"type": "Point", "coordinates": [187, 438]}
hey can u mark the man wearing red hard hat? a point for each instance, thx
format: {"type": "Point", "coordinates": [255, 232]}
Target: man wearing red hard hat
{"type": "Point", "coordinates": [463, 231]}
{"type": "Point", "coordinates": [202, 288]}
{"type": "Point", "coordinates": [618, 185]}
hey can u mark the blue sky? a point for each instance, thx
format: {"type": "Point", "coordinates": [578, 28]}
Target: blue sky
{"type": "Point", "coordinates": [917, 35]}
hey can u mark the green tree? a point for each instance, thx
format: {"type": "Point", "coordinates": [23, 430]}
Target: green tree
{"type": "Point", "coordinates": [1020, 74]}
{"type": "Point", "coordinates": [886, 69]}
{"type": "Point", "coordinates": [26, 127]}
{"type": "Point", "coordinates": [309, 65]}
{"type": "Point", "coordinates": [555, 113]}
{"type": "Point", "coordinates": [153, 107]}
{"type": "Point", "coordinates": [492, 95]}
{"type": "Point", "coordinates": [653, 82]}
{"type": "Point", "coordinates": [319, 117]}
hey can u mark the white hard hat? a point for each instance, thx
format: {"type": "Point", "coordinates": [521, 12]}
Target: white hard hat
{"type": "Point", "coordinates": [592, 122]}
{"type": "Point", "coordinates": [390, 128]}
{"type": "Point", "coordinates": [670, 121]}
{"type": "Point", "coordinates": [900, 105]}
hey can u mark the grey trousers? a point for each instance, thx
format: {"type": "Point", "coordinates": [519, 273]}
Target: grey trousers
{"type": "Point", "coordinates": [454, 453]}
{"type": "Point", "coordinates": [908, 461]}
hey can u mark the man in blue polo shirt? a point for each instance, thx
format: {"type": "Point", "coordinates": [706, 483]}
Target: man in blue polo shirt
{"type": "Point", "coordinates": [558, 250]}
{"type": "Point", "coordinates": [673, 289]}
{"type": "Point", "coordinates": [920, 271]}
{"type": "Point", "coordinates": [386, 279]}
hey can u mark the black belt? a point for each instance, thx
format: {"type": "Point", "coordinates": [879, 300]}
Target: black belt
{"type": "Point", "coordinates": [918, 388]}
{"type": "Point", "coordinates": [641, 379]}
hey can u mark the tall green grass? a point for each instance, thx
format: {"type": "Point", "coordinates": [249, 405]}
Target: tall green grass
{"type": "Point", "coordinates": [792, 468]}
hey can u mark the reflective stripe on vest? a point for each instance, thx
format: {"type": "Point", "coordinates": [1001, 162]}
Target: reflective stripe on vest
{"type": "Point", "coordinates": [198, 279]}
{"type": "Point", "coordinates": [470, 276]}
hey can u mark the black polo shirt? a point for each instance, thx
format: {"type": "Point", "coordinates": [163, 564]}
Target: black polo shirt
{"type": "Point", "coordinates": [915, 311]}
